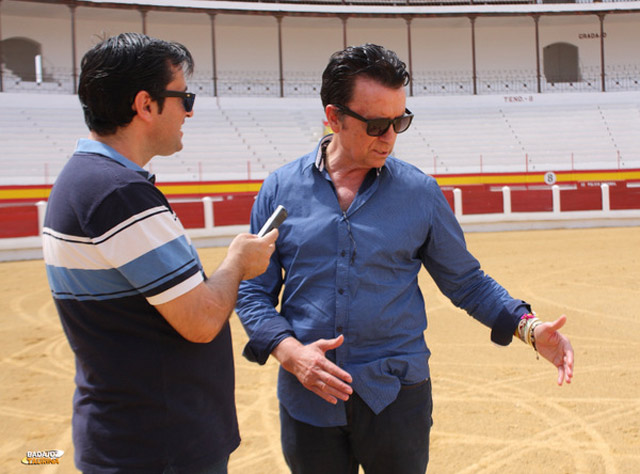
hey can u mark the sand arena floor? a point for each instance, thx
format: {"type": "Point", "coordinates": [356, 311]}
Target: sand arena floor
{"type": "Point", "coordinates": [497, 410]}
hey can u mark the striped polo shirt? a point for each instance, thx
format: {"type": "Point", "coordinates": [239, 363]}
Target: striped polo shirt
{"type": "Point", "coordinates": [145, 397]}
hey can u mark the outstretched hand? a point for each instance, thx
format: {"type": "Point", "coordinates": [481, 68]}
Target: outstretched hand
{"type": "Point", "coordinates": [314, 371]}
{"type": "Point", "coordinates": [556, 348]}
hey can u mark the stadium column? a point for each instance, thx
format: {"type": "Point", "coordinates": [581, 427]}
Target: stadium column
{"type": "Point", "coordinates": [281, 78]}
{"type": "Point", "coordinates": [602, 72]}
{"type": "Point", "coordinates": [344, 19]}
{"type": "Point", "coordinates": [536, 19]}
{"type": "Point", "coordinates": [408, 20]}
{"type": "Point", "coordinates": [214, 67]}
{"type": "Point", "coordinates": [74, 72]}
{"type": "Point", "coordinates": [1, 78]}
{"type": "Point", "coordinates": [143, 15]}
{"type": "Point", "coordinates": [472, 18]}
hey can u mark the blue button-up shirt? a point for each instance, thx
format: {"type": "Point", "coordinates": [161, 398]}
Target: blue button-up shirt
{"type": "Point", "coordinates": [356, 273]}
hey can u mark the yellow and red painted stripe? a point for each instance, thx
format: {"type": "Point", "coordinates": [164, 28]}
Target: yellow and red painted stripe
{"type": "Point", "coordinates": [180, 190]}
{"type": "Point", "coordinates": [34, 193]}
{"type": "Point", "coordinates": [538, 178]}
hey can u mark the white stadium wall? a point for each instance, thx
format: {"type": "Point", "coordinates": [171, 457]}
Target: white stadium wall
{"type": "Point", "coordinates": [46, 24]}
{"type": "Point", "coordinates": [196, 36]}
{"type": "Point", "coordinates": [388, 32]}
{"type": "Point", "coordinates": [505, 44]}
{"type": "Point", "coordinates": [247, 45]}
{"type": "Point", "coordinates": [307, 44]}
{"type": "Point", "coordinates": [568, 29]}
{"type": "Point", "coordinates": [93, 24]}
{"type": "Point", "coordinates": [622, 40]}
{"type": "Point", "coordinates": [429, 38]}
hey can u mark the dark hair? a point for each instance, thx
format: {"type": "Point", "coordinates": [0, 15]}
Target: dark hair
{"type": "Point", "coordinates": [116, 69]}
{"type": "Point", "coordinates": [370, 60]}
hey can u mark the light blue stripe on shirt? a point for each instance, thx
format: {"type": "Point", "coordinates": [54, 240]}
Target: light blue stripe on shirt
{"type": "Point", "coordinates": [83, 284]}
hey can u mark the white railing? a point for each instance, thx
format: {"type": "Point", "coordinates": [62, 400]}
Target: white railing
{"type": "Point", "coordinates": [618, 77]}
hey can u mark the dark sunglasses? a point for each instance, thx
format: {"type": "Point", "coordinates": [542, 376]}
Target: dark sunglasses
{"type": "Point", "coordinates": [188, 98]}
{"type": "Point", "coordinates": [379, 126]}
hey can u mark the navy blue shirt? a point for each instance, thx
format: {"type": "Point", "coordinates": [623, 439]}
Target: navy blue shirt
{"type": "Point", "coordinates": [356, 273]}
{"type": "Point", "coordinates": [145, 398]}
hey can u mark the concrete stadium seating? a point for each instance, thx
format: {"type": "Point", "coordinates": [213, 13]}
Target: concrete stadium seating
{"type": "Point", "coordinates": [247, 138]}
{"type": "Point", "coordinates": [523, 133]}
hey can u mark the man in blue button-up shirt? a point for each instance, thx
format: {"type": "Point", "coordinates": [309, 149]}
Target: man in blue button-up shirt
{"type": "Point", "coordinates": [354, 381]}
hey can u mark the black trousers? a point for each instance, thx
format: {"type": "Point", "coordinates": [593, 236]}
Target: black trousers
{"type": "Point", "coordinates": [396, 441]}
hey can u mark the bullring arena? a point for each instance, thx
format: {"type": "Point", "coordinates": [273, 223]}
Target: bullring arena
{"type": "Point", "coordinates": [526, 111]}
{"type": "Point", "coordinates": [497, 410]}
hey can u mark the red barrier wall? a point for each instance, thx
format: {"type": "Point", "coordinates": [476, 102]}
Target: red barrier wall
{"type": "Point", "coordinates": [448, 195]}
{"type": "Point", "coordinates": [18, 221]}
{"type": "Point", "coordinates": [234, 211]}
{"type": "Point", "coordinates": [581, 199]}
{"type": "Point", "coordinates": [533, 200]}
{"type": "Point", "coordinates": [481, 200]}
{"type": "Point", "coordinates": [624, 197]}
{"type": "Point", "coordinates": [21, 219]}
{"type": "Point", "coordinates": [191, 214]}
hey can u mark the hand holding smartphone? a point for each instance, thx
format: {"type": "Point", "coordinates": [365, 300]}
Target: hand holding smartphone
{"type": "Point", "coordinates": [274, 221]}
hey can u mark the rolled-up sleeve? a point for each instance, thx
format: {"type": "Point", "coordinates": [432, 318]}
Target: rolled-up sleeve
{"type": "Point", "coordinates": [256, 309]}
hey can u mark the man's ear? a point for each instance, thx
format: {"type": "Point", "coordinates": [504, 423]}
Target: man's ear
{"type": "Point", "coordinates": [333, 117]}
{"type": "Point", "coordinates": [143, 105]}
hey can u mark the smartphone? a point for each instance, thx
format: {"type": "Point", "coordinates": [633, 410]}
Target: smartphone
{"type": "Point", "coordinates": [274, 221]}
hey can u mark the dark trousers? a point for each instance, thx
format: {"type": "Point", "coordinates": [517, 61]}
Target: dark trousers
{"type": "Point", "coordinates": [396, 441]}
{"type": "Point", "coordinates": [218, 467]}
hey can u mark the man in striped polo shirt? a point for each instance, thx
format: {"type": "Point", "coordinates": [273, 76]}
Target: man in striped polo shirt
{"type": "Point", "coordinates": [150, 333]}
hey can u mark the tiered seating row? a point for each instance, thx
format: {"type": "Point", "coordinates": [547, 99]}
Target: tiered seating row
{"type": "Point", "coordinates": [240, 138]}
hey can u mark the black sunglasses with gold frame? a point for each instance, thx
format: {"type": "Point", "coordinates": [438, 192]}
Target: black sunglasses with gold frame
{"type": "Point", "coordinates": [188, 98]}
{"type": "Point", "coordinates": [378, 126]}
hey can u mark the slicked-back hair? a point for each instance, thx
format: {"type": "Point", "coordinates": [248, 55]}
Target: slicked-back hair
{"type": "Point", "coordinates": [369, 60]}
{"type": "Point", "coordinates": [116, 69]}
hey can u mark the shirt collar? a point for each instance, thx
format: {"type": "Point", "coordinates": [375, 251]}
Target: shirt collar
{"type": "Point", "coordinates": [92, 146]}
{"type": "Point", "coordinates": [321, 154]}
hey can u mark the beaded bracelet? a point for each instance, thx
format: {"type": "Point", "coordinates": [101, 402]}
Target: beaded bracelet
{"type": "Point", "coordinates": [525, 330]}
{"type": "Point", "coordinates": [521, 329]}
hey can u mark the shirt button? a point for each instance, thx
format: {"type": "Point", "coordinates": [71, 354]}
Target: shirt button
{"type": "Point", "coordinates": [343, 253]}
{"type": "Point", "coordinates": [341, 291]}
{"type": "Point", "coordinates": [339, 329]}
